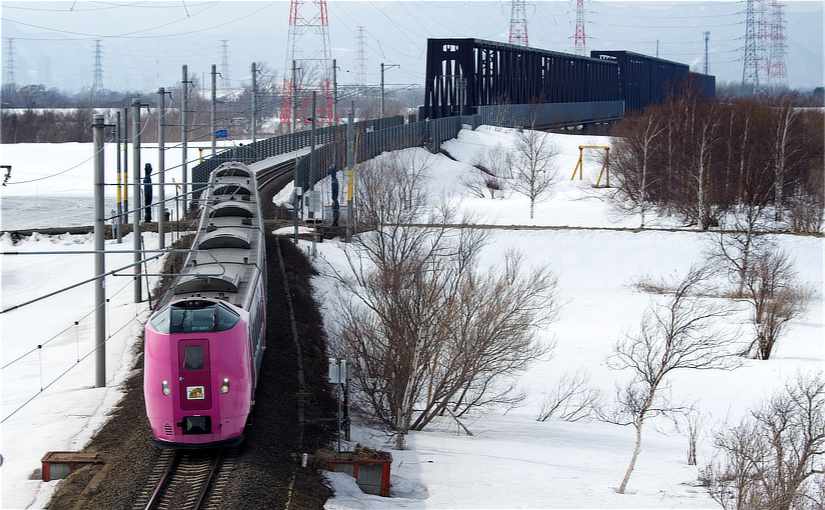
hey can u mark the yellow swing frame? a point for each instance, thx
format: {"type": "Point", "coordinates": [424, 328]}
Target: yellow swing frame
{"type": "Point", "coordinates": [605, 171]}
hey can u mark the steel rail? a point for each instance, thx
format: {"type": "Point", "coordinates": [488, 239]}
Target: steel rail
{"type": "Point", "coordinates": [160, 488]}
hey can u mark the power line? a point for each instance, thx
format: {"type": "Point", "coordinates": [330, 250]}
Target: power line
{"type": "Point", "coordinates": [130, 35]}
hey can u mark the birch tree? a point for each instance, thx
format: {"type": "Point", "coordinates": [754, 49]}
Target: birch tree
{"type": "Point", "coordinates": [533, 170]}
{"type": "Point", "coordinates": [680, 334]}
{"type": "Point", "coordinates": [782, 152]}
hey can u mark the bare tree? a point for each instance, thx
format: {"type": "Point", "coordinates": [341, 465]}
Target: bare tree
{"type": "Point", "coordinates": [694, 420]}
{"type": "Point", "coordinates": [740, 243]}
{"type": "Point", "coordinates": [773, 460]}
{"type": "Point", "coordinates": [493, 169]}
{"type": "Point", "coordinates": [680, 334]}
{"type": "Point", "coordinates": [572, 399]}
{"type": "Point", "coordinates": [631, 162]}
{"type": "Point", "coordinates": [430, 332]}
{"type": "Point", "coordinates": [783, 150]}
{"type": "Point", "coordinates": [533, 172]}
{"type": "Point", "coordinates": [775, 298]}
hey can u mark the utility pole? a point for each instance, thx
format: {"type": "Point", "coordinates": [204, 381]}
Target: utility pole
{"type": "Point", "coordinates": [294, 96]}
{"type": "Point", "coordinates": [350, 168]}
{"type": "Point", "coordinates": [212, 107]}
{"type": "Point", "coordinates": [184, 136]}
{"type": "Point", "coordinates": [125, 218]}
{"type": "Point", "coordinates": [384, 67]}
{"type": "Point", "coordinates": [100, 256]}
{"type": "Point", "coordinates": [313, 161]}
{"type": "Point", "coordinates": [381, 114]}
{"type": "Point", "coordinates": [313, 156]}
{"type": "Point", "coordinates": [136, 235]}
{"type": "Point", "coordinates": [162, 167]}
{"type": "Point", "coordinates": [118, 198]}
{"type": "Point", "coordinates": [254, 69]}
{"type": "Point", "coordinates": [657, 48]}
{"type": "Point", "coordinates": [334, 92]}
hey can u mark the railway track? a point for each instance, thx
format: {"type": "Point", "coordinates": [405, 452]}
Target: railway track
{"type": "Point", "coordinates": [186, 480]}
{"type": "Point", "coordinates": [276, 176]}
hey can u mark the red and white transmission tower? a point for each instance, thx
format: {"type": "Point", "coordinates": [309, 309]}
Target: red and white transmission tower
{"type": "Point", "coordinates": [309, 47]}
{"type": "Point", "coordinates": [518, 23]}
{"type": "Point", "coordinates": [579, 37]}
{"type": "Point", "coordinates": [777, 73]}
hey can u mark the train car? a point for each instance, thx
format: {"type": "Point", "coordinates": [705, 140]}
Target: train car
{"type": "Point", "coordinates": [204, 344]}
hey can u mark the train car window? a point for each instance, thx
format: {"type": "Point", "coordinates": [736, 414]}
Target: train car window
{"type": "Point", "coordinates": [194, 317]}
{"type": "Point", "coordinates": [193, 357]}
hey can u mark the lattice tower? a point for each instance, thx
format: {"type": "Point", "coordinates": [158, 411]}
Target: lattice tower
{"type": "Point", "coordinates": [777, 72]}
{"type": "Point", "coordinates": [309, 46]}
{"type": "Point", "coordinates": [97, 72]}
{"type": "Point", "coordinates": [706, 63]}
{"type": "Point", "coordinates": [226, 79]}
{"type": "Point", "coordinates": [8, 63]}
{"type": "Point", "coordinates": [518, 23]}
{"type": "Point", "coordinates": [752, 57]}
{"type": "Point", "coordinates": [580, 37]}
{"type": "Point", "coordinates": [361, 57]}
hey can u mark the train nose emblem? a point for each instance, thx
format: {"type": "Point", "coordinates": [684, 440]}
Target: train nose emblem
{"type": "Point", "coordinates": [195, 392]}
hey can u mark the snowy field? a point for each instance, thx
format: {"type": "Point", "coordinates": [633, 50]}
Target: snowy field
{"type": "Point", "coordinates": [65, 199]}
{"type": "Point", "coordinates": [513, 461]}
{"type": "Point", "coordinates": [67, 414]}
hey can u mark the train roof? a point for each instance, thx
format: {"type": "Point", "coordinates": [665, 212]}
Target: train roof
{"type": "Point", "coordinates": [228, 249]}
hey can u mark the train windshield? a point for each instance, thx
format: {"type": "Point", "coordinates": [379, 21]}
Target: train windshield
{"type": "Point", "coordinates": [194, 316]}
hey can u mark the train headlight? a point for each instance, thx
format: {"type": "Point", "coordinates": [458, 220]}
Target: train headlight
{"type": "Point", "coordinates": [225, 385]}
{"type": "Point", "coordinates": [164, 386]}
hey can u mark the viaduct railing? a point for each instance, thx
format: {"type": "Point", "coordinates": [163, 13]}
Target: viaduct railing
{"type": "Point", "coordinates": [431, 133]}
{"type": "Point", "coordinates": [373, 137]}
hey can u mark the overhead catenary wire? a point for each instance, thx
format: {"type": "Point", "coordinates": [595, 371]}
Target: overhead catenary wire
{"type": "Point", "coordinates": [66, 371]}
{"type": "Point", "coordinates": [87, 36]}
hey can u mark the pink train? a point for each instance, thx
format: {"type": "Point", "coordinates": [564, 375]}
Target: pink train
{"type": "Point", "coordinates": [204, 345]}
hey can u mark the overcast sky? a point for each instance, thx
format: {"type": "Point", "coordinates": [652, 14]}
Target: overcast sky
{"type": "Point", "coordinates": [145, 43]}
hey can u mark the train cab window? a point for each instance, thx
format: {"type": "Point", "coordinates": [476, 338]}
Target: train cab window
{"type": "Point", "coordinates": [193, 357]}
{"type": "Point", "coordinates": [194, 316]}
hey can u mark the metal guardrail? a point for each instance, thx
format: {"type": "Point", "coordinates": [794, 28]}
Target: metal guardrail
{"type": "Point", "coordinates": [282, 144]}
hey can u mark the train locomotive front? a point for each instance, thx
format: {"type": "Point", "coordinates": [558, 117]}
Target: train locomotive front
{"type": "Point", "coordinates": [204, 344]}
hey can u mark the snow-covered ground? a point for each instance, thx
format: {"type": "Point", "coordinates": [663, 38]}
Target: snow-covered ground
{"type": "Point", "coordinates": [513, 460]}
{"type": "Point", "coordinates": [31, 161]}
{"type": "Point", "coordinates": [66, 415]}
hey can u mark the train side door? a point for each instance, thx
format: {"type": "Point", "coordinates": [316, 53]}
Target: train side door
{"type": "Point", "coordinates": [194, 375]}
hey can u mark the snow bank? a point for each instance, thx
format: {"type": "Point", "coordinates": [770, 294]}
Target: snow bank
{"type": "Point", "coordinates": [67, 414]}
{"type": "Point", "coordinates": [514, 461]}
